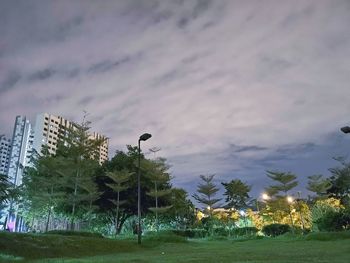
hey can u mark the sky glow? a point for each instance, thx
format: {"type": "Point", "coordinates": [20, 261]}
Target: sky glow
{"type": "Point", "coordinates": [226, 87]}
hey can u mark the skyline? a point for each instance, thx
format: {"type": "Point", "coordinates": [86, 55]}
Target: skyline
{"type": "Point", "coordinates": [224, 87]}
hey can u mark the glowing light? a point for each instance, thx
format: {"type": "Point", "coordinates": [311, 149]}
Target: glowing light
{"type": "Point", "coordinates": [265, 196]}
{"type": "Point", "coordinates": [242, 213]}
{"type": "Point", "coordinates": [208, 207]}
{"type": "Point", "coordinates": [290, 199]}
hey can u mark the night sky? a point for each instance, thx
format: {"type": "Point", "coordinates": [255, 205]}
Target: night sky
{"type": "Point", "coordinates": [226, 87]}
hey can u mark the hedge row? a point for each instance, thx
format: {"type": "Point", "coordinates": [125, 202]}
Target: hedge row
{"type": "Point", "coordinates": [74, 233]}
{"type": "Point", "coordinates": [217, 231]}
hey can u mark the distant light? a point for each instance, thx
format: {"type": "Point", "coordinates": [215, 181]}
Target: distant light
{"type": "Point", "coordinates": [290, 199]}
{"type": "Point", "coordinates": [242, 213]}
{"type": "Point", "coordinates": [265, 196]}
{"type": "Point", "coordinates": [208, 207]}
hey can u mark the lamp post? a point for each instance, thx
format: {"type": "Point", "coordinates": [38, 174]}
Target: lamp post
{"type": "Point", "coordinates": [143, 137]}
{"type": "Point", "coordinates": [265, 197]}
{"type": "Point", "coordinates": [290, 201]}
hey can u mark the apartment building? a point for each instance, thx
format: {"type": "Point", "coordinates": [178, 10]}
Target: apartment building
{"type": "Point", "coordinates": [20, 150]}
{"type": "Point", "coordinates": [5, 146]}
{"type": "Point", "coordinates": [50, 128]}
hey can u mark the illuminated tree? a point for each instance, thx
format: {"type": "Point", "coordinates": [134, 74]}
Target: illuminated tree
{"type": "Point", "coordinates": [118, 185]}
{"type": "Point", "coordinates": [128, 161]}
{"type": "Point", "coordinates": [156, 171]}
{"type": "Point", "coordinates": [278, 206]}
{"type": "Point", "coordinates": [206, 193]}
{"type": "Point", "coordinates": [79, 155]}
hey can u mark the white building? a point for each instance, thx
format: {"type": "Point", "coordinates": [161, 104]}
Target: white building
{"type": "Point", "coordinates": [5, 145]}
{"type": "Point", "coordinates": [21, 149]}
{"type": "Point", "coordinates": [50, 128]}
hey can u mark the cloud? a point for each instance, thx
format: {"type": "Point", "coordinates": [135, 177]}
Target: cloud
{"type": "Point", "coordinates": [10, 81]}
{"type": "Point", "coordinates": [226, 87]}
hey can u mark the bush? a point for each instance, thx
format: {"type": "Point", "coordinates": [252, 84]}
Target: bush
{"type": "Point", "coordinates": [275, 229]}
{"type": "Point", "coordinates": [74, 233]}
{"type": "Point", "coordinates": [328, 236]}
{"type": "Point", "coordinates": [165, 236]}
{"type": "Point", "coordinates": [221, 231]}
{"type": "Point", "coordinates": [334, 221]}
{"type": "Point", "coordinates": [191, 233]}
{"type": "Point", "coordinates": [244, 231]}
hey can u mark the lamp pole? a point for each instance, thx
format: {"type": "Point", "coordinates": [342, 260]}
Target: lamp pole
{"type": "Point", "coordinates": [143, 137]}
{"type": "Point", "coordinates": [290, 201]}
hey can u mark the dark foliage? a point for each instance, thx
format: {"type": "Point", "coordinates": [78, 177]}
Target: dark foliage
{"type": "Point", "coordinates": [75, 233]}
{"type": "Point", "coordinates": [192, 233]}
{"type": "Point", "coordinates": [334, 221]}
{"type": "Point", "coordinates": [275, 229]}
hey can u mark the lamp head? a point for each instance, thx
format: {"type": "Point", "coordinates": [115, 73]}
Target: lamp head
{"type": "Point", "coordinates": [145, 137]}
{"type": "Point", "coordinates": [345, 129]}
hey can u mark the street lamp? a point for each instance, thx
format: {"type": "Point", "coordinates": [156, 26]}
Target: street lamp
{"type": "Point", "coordinates": [290, 201]}
{"type": "Point", "coordinates": [143, 137]}
{"type": "Point", "coordinates": [345, 129]}
{"type": "Point", "coordinates": [265, 196]}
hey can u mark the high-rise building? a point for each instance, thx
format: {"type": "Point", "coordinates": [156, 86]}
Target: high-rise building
{"type": "Point", "coordinates": [49, 129]}
{"type": "Point", "coordinates": [5, 146]}
{"type": "Point", "coordinates": [21, 149]}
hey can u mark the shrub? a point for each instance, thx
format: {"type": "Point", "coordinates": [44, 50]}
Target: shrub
{"type": "Point", "coordinates": [244, 231]}
{"type": "Point", "coordinates": [328, 236]}
{"type": "Point", "coordinates": [75, 233]}
{"type": "Point", "coordinates": [275, 229]}
{"type": "Point", "coordinates": [192, 233]}
{"type": "Point", "coordinates": [221, 231]}
{"type": "Point", "coordinates": [334, 221]}
{"type": "Point", "coordinates": [165, 236]}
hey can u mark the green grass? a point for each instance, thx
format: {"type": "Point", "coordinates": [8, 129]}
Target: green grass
{"type": "Point", "coordinates": [58, 248]}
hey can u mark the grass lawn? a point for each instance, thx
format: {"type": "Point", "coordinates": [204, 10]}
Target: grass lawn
{"type": "Point", "coordinates": [55, 248]}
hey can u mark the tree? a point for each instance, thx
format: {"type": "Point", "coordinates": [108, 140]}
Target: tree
{"type": "Point", "coordinates": [182, 211]}
{"type": "Point", "coordinates": [285, 182]}
{"type": "Point", "coordinates": [42, 186]}
{"type": "Point", "coordinates": [324, 206]}
{"type": "Point", "coordinates": [128, 160]}
{"type": "Point", "coordinates": [118, 185]}
{"type": "Point", "coordinates": [278, 206]}
{"type": "Point", "coordinates": [157, 173]}
{"type": "Point", "coordinates": [4, 188]}
{"type": "Point", "coordinates": [340, 182]}
{"type": "Point", "coordinates": [318, 185]}
{"type": "Point", "coordinates": [206, 193]}
{"type": "Point", "coordinates": [79, 154]}
{"type": "Point", "coordinates": [237, 194]}
{"type": "Point", "coordinates": [92, 194]}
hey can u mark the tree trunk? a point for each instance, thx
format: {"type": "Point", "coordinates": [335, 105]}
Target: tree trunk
{"type": "Point", "coordinates": [121, 223]}
{"type": "Point", "coordinates": [74, 197]}
{"type": "Point", "coordinates": [117, 215]}
{"type": "Point", "coordinates": [155, 187]}
{"type": "Point", "coordinates": [48, 220]}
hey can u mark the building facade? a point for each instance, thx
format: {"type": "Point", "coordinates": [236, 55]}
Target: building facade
{"type": "Point", "coordinates": [20, 150]}
{"type": "Point", "coordinates": [5, 146]}
{"type": "Point", "coordinates": [50, 128]}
